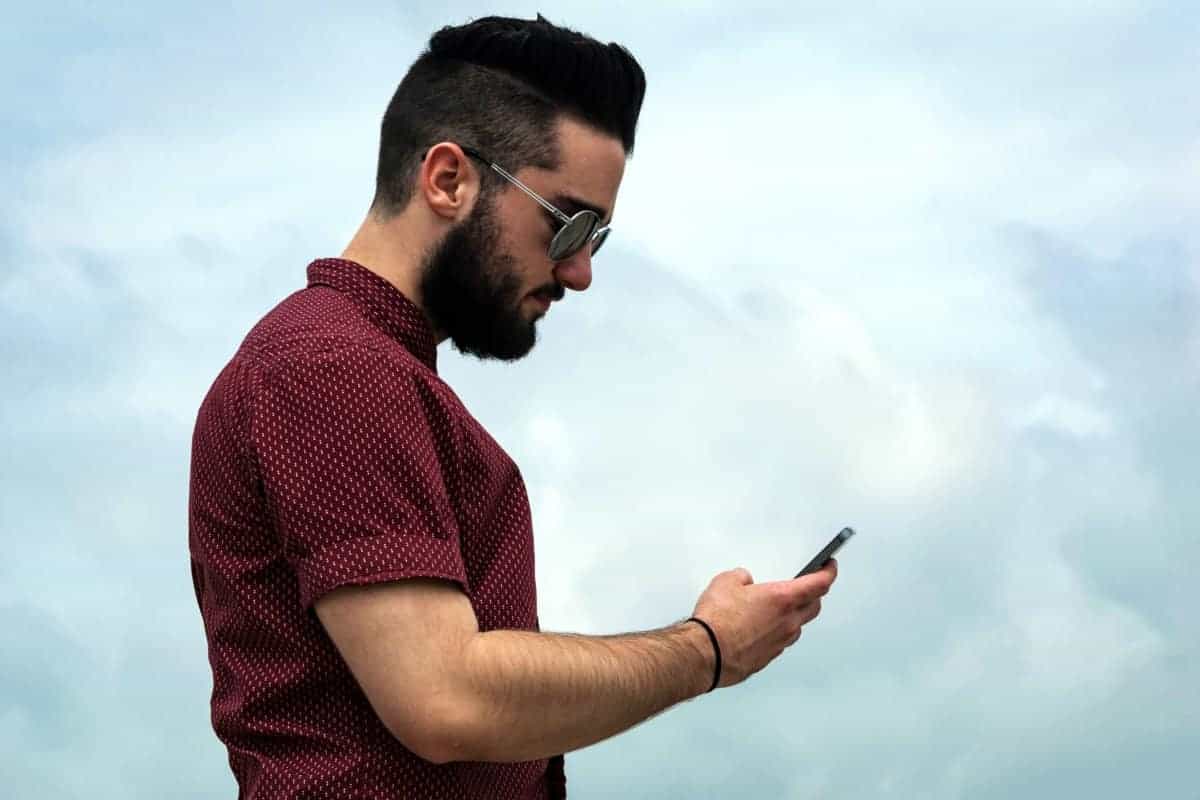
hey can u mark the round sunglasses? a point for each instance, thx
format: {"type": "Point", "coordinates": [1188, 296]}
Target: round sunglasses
{"type": "Point", "coordinates": [578, 229]}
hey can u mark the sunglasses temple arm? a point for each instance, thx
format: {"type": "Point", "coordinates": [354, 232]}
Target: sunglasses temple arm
{"type": "Point", "coordinates": [558, 214]}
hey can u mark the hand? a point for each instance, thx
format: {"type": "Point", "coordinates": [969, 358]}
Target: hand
{"type": "Point", "coordinates": [755, 623]}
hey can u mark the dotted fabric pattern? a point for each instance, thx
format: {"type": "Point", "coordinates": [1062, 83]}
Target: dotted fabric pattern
{"type": "Point", "coordinates": [328, 452]}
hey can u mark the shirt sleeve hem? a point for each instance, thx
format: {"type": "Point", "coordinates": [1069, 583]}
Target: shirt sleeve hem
{"type": "Point", "coordinates": [310, 593]}
{"type": "Point", "coordinates": [413, 556]}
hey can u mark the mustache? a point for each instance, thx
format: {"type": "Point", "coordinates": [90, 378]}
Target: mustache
{"type": "Point", "coordinates": [555, 291]}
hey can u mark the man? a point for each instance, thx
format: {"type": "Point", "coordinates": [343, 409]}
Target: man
{"type": "Point", "coordinates": [362, 551]}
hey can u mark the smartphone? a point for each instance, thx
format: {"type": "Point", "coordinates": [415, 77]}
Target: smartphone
{"type": "Point", "coordinates": [822, 558]}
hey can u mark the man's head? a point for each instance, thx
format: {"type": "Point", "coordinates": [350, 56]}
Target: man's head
{"type": "Point", "coordinates": [554, 108]}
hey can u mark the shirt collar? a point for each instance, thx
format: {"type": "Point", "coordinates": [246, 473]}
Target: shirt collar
{"type": "Point", "coordinates": [383, 304]}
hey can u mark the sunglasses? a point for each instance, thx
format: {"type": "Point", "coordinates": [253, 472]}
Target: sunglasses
{"type": "Point", "coordinates": [582, 227]}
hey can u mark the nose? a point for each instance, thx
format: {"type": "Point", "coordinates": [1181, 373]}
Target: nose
{"type": "Point", "coordinates": [576, 272]}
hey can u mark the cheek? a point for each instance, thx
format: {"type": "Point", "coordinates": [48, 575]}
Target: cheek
{"type": "Point", "coordinates": [525, 236]}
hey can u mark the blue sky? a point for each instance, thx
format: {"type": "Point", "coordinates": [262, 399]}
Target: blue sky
{"type": "Point", "coordinates": [929, 270]}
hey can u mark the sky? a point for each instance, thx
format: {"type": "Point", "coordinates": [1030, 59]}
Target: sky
{"type": "Point", "coordinates": [926, 269]}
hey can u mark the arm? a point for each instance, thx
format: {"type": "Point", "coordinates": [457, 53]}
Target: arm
{"type": "Point", "coordinates": [531, 695]}
{"type": "Point", "coordinates": [402, 641]}
{"type": "Point", "coordinates": [450, 693]}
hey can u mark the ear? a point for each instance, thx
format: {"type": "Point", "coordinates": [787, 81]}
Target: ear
{"type": "Point", "coordinates": [448, 181]}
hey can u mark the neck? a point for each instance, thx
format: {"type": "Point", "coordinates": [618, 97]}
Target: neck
{"type": "Point", "coordinates": [392, 250]}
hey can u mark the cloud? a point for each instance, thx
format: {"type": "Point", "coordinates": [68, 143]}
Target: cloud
{"type": "Point", "coordinates": [927, 271]}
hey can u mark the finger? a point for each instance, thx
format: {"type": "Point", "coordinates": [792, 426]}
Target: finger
{"type": "Point", "coordinates": [809, 611]}
{"type": "Point", "coordinates": [828, 573]}
{"type": "Point", "coordinates": [812, 585]}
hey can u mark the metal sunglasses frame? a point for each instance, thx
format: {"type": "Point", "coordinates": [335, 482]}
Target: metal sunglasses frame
{"type": "Point", "coordinates": [597, 234]}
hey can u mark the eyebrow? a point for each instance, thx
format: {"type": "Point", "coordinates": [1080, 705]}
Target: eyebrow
{"type": "Point", "coordinates": [570, 205]}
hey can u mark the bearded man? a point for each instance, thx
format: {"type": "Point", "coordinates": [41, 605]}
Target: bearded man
{"type": "Point", "coordinates": [361, 548]}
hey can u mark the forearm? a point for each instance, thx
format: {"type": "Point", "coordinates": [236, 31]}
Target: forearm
{"type": "Point", "coordinates": [532, 695]}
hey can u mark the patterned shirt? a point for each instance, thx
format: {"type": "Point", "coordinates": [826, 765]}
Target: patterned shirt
{"type": "Point", "coordinates": [329, 453]}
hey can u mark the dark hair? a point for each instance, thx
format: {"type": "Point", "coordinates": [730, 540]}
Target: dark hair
{"type": "Point", "coordinates": [499, 85]}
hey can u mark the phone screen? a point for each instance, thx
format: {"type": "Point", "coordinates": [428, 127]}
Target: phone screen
{"type": "Point", "coordinates": [822, 558]}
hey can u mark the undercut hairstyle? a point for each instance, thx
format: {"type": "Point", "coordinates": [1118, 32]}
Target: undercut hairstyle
{"type": "Point", "coordinates": [500, 85]}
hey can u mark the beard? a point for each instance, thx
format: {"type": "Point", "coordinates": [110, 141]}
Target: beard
{"type": "Point", "coordinates": [472, 292]}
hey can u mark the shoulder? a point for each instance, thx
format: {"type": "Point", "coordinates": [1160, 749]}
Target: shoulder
{"type": "Point", "coordinates": [352, 371]}
{"type": "Point", "coordinates": [361, 377]}
{"type": "Point", "coordinates": [311, 321]}
{"type": "Point", "coordinates": [316, 354]}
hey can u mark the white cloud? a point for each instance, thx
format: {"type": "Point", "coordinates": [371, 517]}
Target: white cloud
{"type": "Point", "coordinates": [811, 320]}
{"type": "Point", "coordinates": [550, 437]}
{"type": "Point", "coordinates": [1069, 416]}
{"type": "Point", "coordinates": [1074, 648]}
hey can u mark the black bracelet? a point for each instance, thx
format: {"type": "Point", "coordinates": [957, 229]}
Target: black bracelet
{"type": "Point", "coordinates": [717, 647]}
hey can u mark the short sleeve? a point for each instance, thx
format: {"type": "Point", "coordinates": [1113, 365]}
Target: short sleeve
{"type": "Point", "coordinates": [347, 443]}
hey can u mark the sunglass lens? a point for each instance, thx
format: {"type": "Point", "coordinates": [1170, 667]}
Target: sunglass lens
{"type": "Point", "coordinates": [572, 236]}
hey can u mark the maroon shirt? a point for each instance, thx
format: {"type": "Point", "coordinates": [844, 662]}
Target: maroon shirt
{"type": "Point", "coordinates": [328, 453]}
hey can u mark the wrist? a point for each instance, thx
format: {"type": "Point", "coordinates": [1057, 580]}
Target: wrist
{"type": "Point", "coordinates": [701, 642]}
